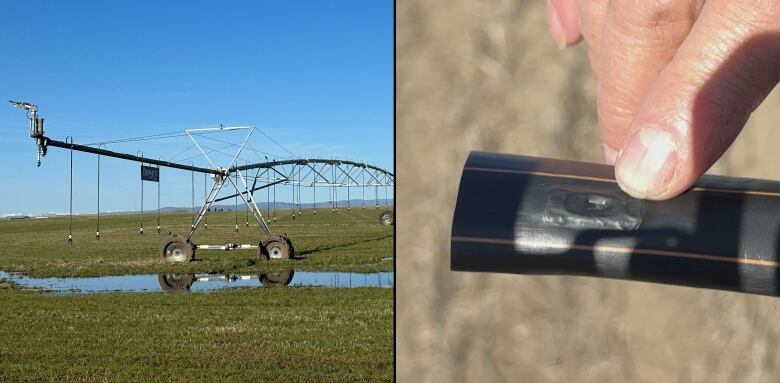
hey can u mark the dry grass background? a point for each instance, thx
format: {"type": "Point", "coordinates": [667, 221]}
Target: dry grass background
{"type": "Point", "coordinates": [484, 75]}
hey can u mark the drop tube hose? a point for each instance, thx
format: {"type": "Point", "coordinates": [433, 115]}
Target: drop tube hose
{"type": "Point", "coordinates": [526, 215]}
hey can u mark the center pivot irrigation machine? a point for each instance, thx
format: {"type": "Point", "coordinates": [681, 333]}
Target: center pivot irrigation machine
{"type": "Point", "coordinates": [295, 172]}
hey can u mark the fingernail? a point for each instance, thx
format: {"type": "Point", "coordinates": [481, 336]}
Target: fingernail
{"type": "Point", "coordinates": [554, 25]}
{"type": "Point", "coordinates": [610, 155]}
{"type": "Point", "coordinates": [647, 163]}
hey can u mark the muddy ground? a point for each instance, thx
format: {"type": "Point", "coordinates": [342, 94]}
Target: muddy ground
{"type": "Point", "coordinates": [485, 75]}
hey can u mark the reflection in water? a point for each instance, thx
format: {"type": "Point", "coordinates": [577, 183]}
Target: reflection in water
{"type": "Point", "coordinates": [175, 282]}
{"type": "Point", "coordinates": [280, 278]}
{"type": "Point", "coordinates": [183, 282]}
{"type": "Point", "coordinates": [205, 282]}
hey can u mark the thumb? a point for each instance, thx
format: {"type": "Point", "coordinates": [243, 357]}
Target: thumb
{"type": "Point", "coordinates": [701, 100]}
{"type": "Point", "coordinates": [562, 22]}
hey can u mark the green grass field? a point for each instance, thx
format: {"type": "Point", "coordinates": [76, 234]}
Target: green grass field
{"type": "Point", "coordinates": [349, 241]}
{"type": "Point", "coordinates": [278, 334]}
{"type": "Point", "coordinates": [288, 335]}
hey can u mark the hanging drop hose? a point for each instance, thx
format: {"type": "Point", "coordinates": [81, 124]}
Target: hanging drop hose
{"type": "Point", "coordinates": [293, 191]}
{"type": "Point", "coordinates": [299, 190]}
{"type": "Point", "coordinates": [292, 174]}
{"type": "Point", "coordinates": [69, 140]}
{"type": "Point", "coordinates": [205, 197]}
{"type": "Point", "coordinates": [363, 179]}
{"type": "Point", "coordinates": [141, 231]}
{"type": "Point", "coordinates": [158, 199]}
{"type": "Point", "coordinates": [540, 216]}
{"type": "Point", "coordinates": [268, 199]}
{"type": "Point", "coordinates": [314, 190]}
{"type": "Point", "coordinates": [235, 209]}
{"type": "Point", "coordinates": [247, 205]}
{"type": "Point", "coordinates": [274, 199]}
{"type": "Point", "coordinates": [192, 224]}
{"type": "Point", "coordinates": [97, 230]}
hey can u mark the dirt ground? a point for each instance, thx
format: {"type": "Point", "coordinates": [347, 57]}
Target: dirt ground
{"type": "Point", "coordinates": [485, 75]}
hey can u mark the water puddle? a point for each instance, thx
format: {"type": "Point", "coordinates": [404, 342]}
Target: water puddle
{"type": "Point", "coordinates": [201, 282]}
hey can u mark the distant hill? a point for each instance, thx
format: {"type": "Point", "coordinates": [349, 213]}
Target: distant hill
{"type": "Point", "coordinates": [241, 207]}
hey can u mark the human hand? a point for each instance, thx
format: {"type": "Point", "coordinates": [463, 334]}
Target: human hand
{"type": "Point", "coordinates": [677, 80]}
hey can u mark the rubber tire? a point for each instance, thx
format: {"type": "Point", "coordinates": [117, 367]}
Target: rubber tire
{"type": "Point", "coordinates": [387, 221]}
{"type": "Point", "coordinates": [275, 241]}
{"type": "Point", "coordinates": [278, 279]}
{"type": "Point", "coordinates": [175, 282]}
{"type": "Point", "coordinates": [187, 246]}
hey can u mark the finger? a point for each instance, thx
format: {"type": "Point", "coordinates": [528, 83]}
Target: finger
{"type": "Point", "coordinates": [591, 20]}
{"type": "Point", "coordinates": [639, 39]}
{"type": "Point", "coordinates": [562, 22]}
{"type": "Point", "coordinates": [702, 98]}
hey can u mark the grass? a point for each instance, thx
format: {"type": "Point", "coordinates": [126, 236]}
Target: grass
{"type": "Point", "coordinates": [6, 284]}
{"type": "Point", "coordinates": [288, 335]}
{"type": "Point", "coordinates": [282, 334]}
{"type": "Point", "coordinates": [349, 241]}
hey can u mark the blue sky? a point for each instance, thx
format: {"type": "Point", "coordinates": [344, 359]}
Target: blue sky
{"type": "Point", "coordinates": [317, 76]}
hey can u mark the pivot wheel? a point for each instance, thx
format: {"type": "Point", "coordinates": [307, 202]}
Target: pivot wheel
{"type": "Point", "coordinates": [175, 282]}
{"type": "Point", "coordinates": [176, 248]}
{"type": "Point", "coordinates": [276, 247]}
{"type": "Point", "coordinates": [280, 278]}
{"type": "Point", "coordinates": [387, 218]}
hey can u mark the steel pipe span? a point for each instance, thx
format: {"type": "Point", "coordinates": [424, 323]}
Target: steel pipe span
{"type": "Point", "coordinates": [304, 161]}
{"type": "Point", "coordinates": [527, 215]}
{"type": "Point", "coordinates": [260, 165]}
{"type": "Point", "coordinates": [109, 153]}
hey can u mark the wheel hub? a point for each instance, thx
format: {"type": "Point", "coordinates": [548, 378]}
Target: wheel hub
{"type": "Point", "coordinates": [176, 252]}
{"type": "Point", "coordinates": [275, 252]}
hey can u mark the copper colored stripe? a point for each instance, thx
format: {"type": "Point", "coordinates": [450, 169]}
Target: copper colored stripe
{"type": "Point", "coordinates": [751, 192]}
{"type": "Point", "coordinates": [617, 249]}
{"type": "Point", "coordinates": [599, 179]}
{"type": "Point", "coordinates": [514, 171]}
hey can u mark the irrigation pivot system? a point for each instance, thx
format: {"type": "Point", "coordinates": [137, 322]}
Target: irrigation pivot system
{"type": "Point", "coordinates": [245, 179]}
